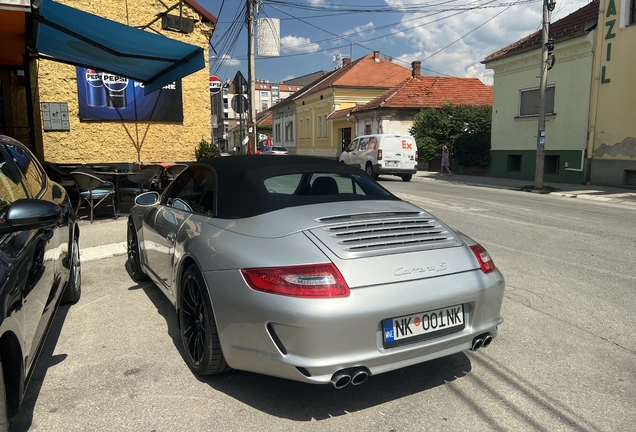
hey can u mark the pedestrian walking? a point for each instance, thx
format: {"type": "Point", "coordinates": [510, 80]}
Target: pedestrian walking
{"type": "Point", "coordinates": [445, 161]}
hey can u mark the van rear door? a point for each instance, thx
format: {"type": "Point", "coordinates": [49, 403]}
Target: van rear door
{"type": "Point", "coordinates": [398, 152]}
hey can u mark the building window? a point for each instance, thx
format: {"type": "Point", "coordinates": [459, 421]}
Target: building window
{"type": "Point", "coordinates": [529, 101]}
{"type": "Point", "coordinates": [264, 100]}
{"type": "Point", "coordinates": [513, 163]}
{"type": "Point", "coordinates": [632, 12]}
{"type": "Point", "coordinates": [367, 129]}
{"type": "Point", "coordinates": [226, 115]}
{"type": "Point", "coordinates": [551, 164]}
{"type": "Point", "coordinates": [319, 126]}
{"type": "Point", "coordinates": [307, 128]}
{"type": "Point", "coordinates": [275, 95]}
{"type": "Point", "coordinates": [301, 133]}
{"type": "Point", "coordinates": [225, 128]}
{"type": "Point", "coordinates": [289, 131]}
{"type": "Point", "coordinates": [277, 133]}
{"type": "Point", "coordinates": [324, 125]}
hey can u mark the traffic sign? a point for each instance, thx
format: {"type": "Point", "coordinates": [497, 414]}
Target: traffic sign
{"type": "Point", "coordinates": [215, 84]}
{"type": "Point", "coordinates": [240, 84]}
{"type": "Point", "coordinates": [239, 104]}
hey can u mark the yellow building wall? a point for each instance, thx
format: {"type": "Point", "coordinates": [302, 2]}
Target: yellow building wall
{"type": "Point", "coordinates": [113, 141]}
{"type": "Point", "coordinates": [333, 99]}
{"type": "Point", "coordinates": [613, 119]}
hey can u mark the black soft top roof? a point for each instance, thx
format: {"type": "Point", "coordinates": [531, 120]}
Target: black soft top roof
{"type": "Point", "coordinates": [242, 192]}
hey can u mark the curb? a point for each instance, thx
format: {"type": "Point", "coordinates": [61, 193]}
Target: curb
{"type": "Point", "coordinates": [622, 198]}
{"type": "Point", "coordinates": [104, 251]}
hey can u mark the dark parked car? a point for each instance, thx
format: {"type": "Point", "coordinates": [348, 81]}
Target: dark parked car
{"type": "Point", "coordinates": [39, 266]}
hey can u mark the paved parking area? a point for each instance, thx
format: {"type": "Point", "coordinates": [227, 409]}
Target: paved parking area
{"type": "Point", "coordinates": [113, 362]}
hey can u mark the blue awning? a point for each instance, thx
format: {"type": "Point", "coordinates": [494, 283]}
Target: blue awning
{"type": "Point", "coordinates": [79, 38]}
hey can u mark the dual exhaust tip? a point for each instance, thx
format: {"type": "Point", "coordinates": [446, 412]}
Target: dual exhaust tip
{"type": "Point", "coordinates": [354, 376]}
{"type": "Point", "coordinates": [481, 341]}
{"type": "Point", "coordinates": [357, 375]}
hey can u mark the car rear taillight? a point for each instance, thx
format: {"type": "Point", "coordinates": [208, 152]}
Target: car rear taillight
{"type": "Point", "coordinates": [313, 281]}
{"type": "Point", "coordinates": [485, 262]}
{"type": "Point", "coordinates": [415, 155]}
{"type": "Point", "coordinates": [380, 154]}
{"type": "Point", "coordinates": [286, 152]}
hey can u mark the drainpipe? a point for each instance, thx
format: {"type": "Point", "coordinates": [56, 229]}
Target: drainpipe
{"type": "Point", "coordinates": [29, 103]}
{"type": "Point", "coordinates": [354, 124]}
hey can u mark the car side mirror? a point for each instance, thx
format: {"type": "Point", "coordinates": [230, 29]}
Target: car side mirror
{"type": "Point", "coordinates": [27, 214]}
{"type": "Point", "coordinates": [148, 198]}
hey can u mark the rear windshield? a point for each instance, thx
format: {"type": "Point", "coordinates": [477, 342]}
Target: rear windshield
{"type": "Point", "coordinates": [293, 186]}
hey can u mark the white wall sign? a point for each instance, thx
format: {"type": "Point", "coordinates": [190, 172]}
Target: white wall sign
{"type": "Point", "coordinates": [55, 116]}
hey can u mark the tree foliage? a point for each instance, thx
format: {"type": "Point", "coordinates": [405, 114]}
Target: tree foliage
{"type": "Point", "coordinates": [263, 129]}
{"type": "Point", "coordinates": [463, 128]}
{"type": "Point", "coordinates": [206, 150]}
{"type": "Point", "coordinates": [472, 149]}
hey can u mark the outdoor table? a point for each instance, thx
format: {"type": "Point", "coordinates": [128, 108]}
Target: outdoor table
{"type": "Point", "coordinates": [116, 176]}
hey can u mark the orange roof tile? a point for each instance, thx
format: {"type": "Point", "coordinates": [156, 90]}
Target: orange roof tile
{"type": "Point", "coordinates": [264, 118]}
{"type": "Point", "coordinates": [432, 91]}
{"type": "Point", "coordinates": [576, 24]}
{"type": "Point", "coordinates": [367, 71]}
{"type": "Point", "coordinates": [339, 113]}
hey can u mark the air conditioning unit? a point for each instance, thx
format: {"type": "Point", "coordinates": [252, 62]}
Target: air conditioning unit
{"type": "Point", "coordinates": [177, 23]}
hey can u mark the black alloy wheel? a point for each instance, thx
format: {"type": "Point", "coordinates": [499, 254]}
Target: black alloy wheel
{"type": "Point", "coordinates": [198, 327]}
{"type": "Point", "coordinates": [133, 264]}
{"type": "Point", "coordinates": [73, 290]}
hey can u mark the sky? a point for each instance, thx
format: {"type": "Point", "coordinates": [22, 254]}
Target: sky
{"type": "Point", "coordinates": [449, 37]}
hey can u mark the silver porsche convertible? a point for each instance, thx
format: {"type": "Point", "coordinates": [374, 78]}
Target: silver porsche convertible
{"type": "Point", "coordinates": [307, 269]}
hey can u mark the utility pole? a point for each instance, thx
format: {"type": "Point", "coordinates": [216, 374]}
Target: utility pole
{"type": "Point", "coordinates": [548, 5]}
{"type": "Point", "coordinates": [250, 75]}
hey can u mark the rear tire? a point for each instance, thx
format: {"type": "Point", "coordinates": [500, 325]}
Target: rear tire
{"type": "Point", "coordinates": [73, 289]}
{"type": "Point", "coordinates": [199, 333]}
{"type": "Point", "coordinates": [133, 264]}
{"type": "Point", "coordinates": [406, 177]}
{"type": "Point", "coordinates": [369, 169]}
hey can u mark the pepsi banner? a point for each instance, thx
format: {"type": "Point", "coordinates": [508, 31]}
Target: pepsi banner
{"type": "Point", "coordinates": [104, 96]}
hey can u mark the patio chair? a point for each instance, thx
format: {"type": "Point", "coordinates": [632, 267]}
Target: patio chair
{"type": "Point", "coordinates": [174, 170]}
{"type": "Point", "coordinates": [155, 182]}
{"type": "Point", "coordinates": [94, 191]}
{"type": "Point", "coordinates": [137, 183]}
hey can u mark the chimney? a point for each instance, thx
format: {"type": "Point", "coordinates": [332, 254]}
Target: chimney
{"type": "Point", "coordinates": [376, 56]}
{"type": "Point", "coordinates": [346, 61]}
{"type": "Point", "coordinates": [416, 69]}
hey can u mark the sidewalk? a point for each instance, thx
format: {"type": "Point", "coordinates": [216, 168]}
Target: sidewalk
{"type": "Point", "coordinates": [106, 237]}
{"type": "Point", "coordinates": [592, 192]}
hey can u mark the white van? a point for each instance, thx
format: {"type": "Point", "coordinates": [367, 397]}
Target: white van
{"type": "Point", "coordinates": [383, 154]}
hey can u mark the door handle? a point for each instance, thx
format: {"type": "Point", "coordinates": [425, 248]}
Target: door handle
{"type": "Point", "coordinates": [170, 238]}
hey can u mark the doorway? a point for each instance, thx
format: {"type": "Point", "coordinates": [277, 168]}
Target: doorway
{"type": "Point", "coordinates": [345, 138]}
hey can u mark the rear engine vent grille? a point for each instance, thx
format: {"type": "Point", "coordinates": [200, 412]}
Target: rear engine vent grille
{"type": "Point", "coordinates": [373, 237]}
